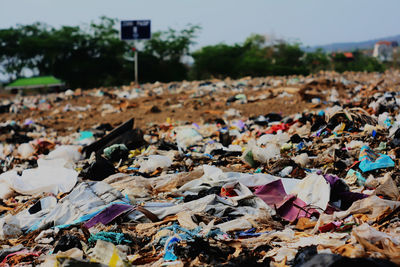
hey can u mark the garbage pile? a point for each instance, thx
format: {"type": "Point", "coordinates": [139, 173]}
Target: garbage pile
{"type": "Point", "coordinates": [318, 187]}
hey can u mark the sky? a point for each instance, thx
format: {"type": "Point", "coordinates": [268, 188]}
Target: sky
{"type": "Point", "coordinates": [311, 22]}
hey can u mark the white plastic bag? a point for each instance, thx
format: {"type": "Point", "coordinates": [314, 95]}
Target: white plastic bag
{"type": "Point", "coordinates": [70, 154]}
{"type": "Point", "coordinates": [314, 190]}
{"type": "Point", "coordinates": [46, 178]}
{"type": "Point", "coordinates": [154, 162]}
{"type": "Point", "coordinates": [25, 150]}
{"type": "Point", "coordinates": [187, 137]}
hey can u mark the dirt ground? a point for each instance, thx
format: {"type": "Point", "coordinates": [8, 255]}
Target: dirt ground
{"type": "Point", "coordinates": [177, 107]}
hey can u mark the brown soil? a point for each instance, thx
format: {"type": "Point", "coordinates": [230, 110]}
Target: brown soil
{"type": "Point", "coordinates": [199, 110]}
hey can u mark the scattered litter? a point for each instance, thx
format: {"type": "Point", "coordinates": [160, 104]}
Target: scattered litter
{"type": "Point", "coordinates": [240, 177]}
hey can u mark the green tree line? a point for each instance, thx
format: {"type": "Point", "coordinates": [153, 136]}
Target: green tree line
{"type": "Point", "coordinates": [93, 55]}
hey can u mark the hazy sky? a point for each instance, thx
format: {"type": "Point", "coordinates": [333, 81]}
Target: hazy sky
{"type": "Point", "coordinates": [311, 22]}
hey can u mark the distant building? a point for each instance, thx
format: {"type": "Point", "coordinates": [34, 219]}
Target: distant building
{"type": "Point", "coordinates": [384, 50]}
{"type": "Point", "coordinates": [367, 52]}
{"type": "Point", "coordinates": [348, 56]}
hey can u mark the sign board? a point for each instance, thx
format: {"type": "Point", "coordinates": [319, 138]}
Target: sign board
{"type": "Point", "coordinates": [135, 29]}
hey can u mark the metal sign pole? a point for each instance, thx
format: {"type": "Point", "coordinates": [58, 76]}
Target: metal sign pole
{"type": "Point", "coordinates": [136, 67]}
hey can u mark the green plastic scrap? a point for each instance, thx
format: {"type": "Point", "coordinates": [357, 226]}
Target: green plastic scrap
{"type": "Point", "coordinates": [240, 97]}
{"type": "Point", "coordinates": [115, 238]}
{"type": "Point", "coordinates": [248, 158]}
{"type": "Point", "coordinates": [109, 151]}
{"type": "Point", "coordinates": [259, 170]}
{"type": "Point", "coordinates": [85, 135]}
{"type": "Point", "coordinates": [382, 146]}
{"type": "Point", "coordinates": [360, 179]}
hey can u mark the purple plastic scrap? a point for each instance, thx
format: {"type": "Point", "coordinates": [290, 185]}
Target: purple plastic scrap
{"type": "Point", "coordinates": [109, 214]}
{"type": "Point", "coordinates": [288, 206]}
{"type": "Point", "coordinates": [271, 193]}
{"type": "Point", "coordinates": [340, 191]}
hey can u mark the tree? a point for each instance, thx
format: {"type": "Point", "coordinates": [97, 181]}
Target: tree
{"type": "Point", "coordinates": [81, 58]}
{"type": "Point", "coordinates": [94, 55]}
{"type": "Point", "coordinates": [359, 62]}
{"type": "Point", "coordinates": [161, 59]}
{"type": "Point", "coordinates": [171, 44]}
{"type": "Point", "coordinates": [252, 57]}
{"type": "Point", "coordinates": [257, 57]}
{"type": "Point", "coordinates": [316, 61]}
{"type": "Point", "coordinates": [287, 59]}
{"type": "Point", "coordinates": [219, 60]}
{"type": "Point", "coordinates": [18, 48]}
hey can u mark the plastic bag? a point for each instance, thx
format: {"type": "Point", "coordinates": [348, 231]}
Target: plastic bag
{"type": "Point", "coordinates": [187, 137]}
{"type": "Point", "coordinates": [47, 178]}
{"type": "Point", "coordinates": [371, 160]}
{"type": "Point", "coordinates": [70, 154]}
{"type": "Point", "coordinates": [154, 162]}
{"type": "Point", "coordinates": [26, 150]}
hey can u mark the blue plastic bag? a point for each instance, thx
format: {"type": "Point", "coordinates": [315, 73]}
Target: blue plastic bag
{"type": "Point", "coordinates": [169, 254]}
{"type": "Point", "coordinates": [371, 160]}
